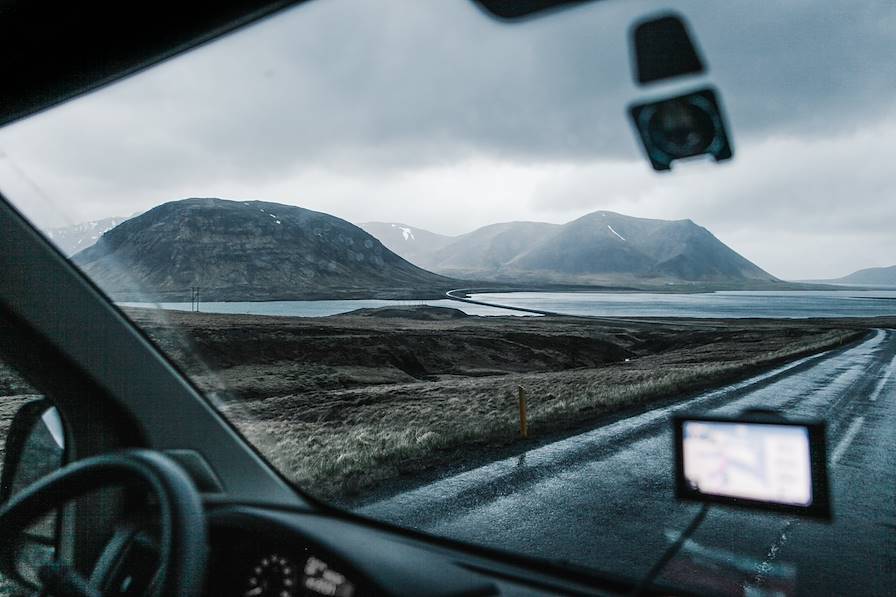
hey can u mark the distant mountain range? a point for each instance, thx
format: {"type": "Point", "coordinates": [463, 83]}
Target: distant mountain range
{"type": "Point", "coordinates": [872, 276]}
{"type": "Point", "coordinates": [249, 250]}
{"type": "Point", "coordinates": [599, 248]}
{"type": "Point", "coordinates": [77, 237]}
{"type": "Point", "coordinates": [253, 250]}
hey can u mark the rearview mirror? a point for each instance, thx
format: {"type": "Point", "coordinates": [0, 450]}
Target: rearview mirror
{"type": "Point", "coordinates": [753, 461]}
{"type": "Point", "coordinates": [681, 127]}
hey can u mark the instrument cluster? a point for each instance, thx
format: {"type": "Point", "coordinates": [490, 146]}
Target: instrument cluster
{"type": "Point", "coordinates": [277, 571]}
{"type": "Point", "coordinates": [278, 575]}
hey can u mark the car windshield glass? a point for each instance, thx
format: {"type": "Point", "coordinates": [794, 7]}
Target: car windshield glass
{"type": "Point", "coordinates": [420, 258]}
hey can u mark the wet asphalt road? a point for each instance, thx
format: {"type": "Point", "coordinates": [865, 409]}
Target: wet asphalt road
{"type": "Point", "coordinates": [604, 499]}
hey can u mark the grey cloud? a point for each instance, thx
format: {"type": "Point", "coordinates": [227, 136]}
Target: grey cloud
{"type": "Point", "coordinates": [358, 88]}
{"type": "Point", "coordinates": [396, 84]}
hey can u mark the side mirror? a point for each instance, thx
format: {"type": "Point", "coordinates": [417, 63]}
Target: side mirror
{"type": "Point", "coordinates": [35, 447]}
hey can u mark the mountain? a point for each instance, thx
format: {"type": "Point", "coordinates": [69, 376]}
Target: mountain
{"type": "Point", "coordinates": [248, 250]}
{"type": "Point", "coordinates": [77, 237]}
{"type": "Point", "coordinates": [606, 246]}
{"type": "Point", "coordinates": [488, 249]}
{"type": "Point", "coordinates": [599, 248]}
{"type": "Point", "coordinates": [413, 244]}
{"type": "Point", "coordinates": [872, 276]}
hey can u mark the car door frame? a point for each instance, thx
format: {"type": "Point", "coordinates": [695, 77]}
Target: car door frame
{"type": "Point", "coordinates": [112, 386]}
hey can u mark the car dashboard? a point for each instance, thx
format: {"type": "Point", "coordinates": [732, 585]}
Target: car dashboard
{"type": "Point", "coordinates": [259, 552]}
{"type": "Point", "coordinates": [264, 552]}
{"type": "Point", "coordinates": [272, 562]}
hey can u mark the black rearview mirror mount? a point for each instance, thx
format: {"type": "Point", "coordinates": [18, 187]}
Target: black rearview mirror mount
{"type": "Point", "coordinates": [682, 127]}
{"type": "Point", "coordinates": [662, 49]}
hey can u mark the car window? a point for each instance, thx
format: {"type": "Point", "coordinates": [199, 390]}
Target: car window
{"type": "Point", "coordinates": [420, 258]}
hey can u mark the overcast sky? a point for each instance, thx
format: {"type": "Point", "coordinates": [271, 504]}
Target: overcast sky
{"type": "Point", "coordinates": [429, 113]}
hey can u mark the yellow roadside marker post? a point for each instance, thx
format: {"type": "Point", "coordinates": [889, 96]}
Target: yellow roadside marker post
{"type": "Point", "coordinates": [524, 429]}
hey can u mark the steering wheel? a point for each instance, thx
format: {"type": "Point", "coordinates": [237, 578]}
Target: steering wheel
{"type": "Point", "coordinates": [182, 528]}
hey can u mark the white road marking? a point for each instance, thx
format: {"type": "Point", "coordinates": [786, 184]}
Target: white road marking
{"type": "Point", "coordinates": [883, 381]}
{"type": "Point", "coordinates": [847, 439]}
{"type": "Point", "coordinates": [775, 547]}
{"type": "Point", "coordinates": [765, 567]}
{"type": "Point", "coordinates": [842, 445]}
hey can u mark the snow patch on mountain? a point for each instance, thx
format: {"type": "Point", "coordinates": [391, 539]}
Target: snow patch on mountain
{"type": "Point", "coordinates": [407, 233]}
{"type": "Point", "coordinates": [614, 232]}
{"type": "Point", "coordinates": [71, 239]}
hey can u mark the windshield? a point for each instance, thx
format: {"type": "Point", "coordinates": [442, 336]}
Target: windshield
{"type": "Point", "coordinates": [418, 257]}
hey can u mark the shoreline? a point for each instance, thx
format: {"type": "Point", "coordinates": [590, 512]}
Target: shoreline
{"type": "Point", "coordinates": [404, 294]}
{"type": "Point", "coordinates": [462, 295]}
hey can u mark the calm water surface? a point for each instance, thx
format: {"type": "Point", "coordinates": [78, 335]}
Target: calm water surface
{"type": "Point", "coordinates": [322, 308]}
{"type": "Point", "coordinates": [795, 304]}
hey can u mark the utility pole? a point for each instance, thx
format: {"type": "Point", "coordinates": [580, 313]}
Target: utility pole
{"type": "Point", "coordinates": [194, 299]}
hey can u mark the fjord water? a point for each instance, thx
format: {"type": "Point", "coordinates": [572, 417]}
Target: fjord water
{"type": "Point", "coordinates": [722, 304]}
{"type": "Point", "coordinates": [322, 308]}
{"type": "Point", "coordinates": [726, 304]}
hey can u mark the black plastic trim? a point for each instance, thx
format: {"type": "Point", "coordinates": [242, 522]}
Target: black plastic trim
{"type": "Point", "coordinates": [55, 51]}
{"type": "Point", "coordinates": [105, 347]}
{"type": "Point", "coordinates": [663, 48]}
{"type": "Point", "coordinates": [515, 9]}
{"type": "Point", "coordinates": [552, 577]}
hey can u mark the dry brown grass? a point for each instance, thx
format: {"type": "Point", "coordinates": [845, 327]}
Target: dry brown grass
{"type": "Point", "coordinates": [338, 444]}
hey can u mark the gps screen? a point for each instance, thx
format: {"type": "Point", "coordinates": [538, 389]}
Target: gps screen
{"type": "Point", "coordinates": [754, 461]}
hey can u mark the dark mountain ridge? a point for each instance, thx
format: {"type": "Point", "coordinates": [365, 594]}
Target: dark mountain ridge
{"type": "Point", "coordinates": [249, 250]}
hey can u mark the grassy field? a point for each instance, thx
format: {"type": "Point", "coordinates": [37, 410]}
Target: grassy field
{"type": "Point", "coordinates": [345, 404]}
